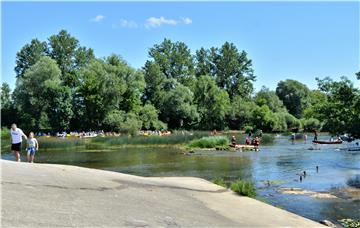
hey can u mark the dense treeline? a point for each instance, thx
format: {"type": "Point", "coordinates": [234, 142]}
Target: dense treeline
{"type": "Point", "coordinates": [62, 86]}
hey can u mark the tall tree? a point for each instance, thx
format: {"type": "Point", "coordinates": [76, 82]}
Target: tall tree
{"type": "Point", "coordinates": [341, 112]}
{"type": "Point", "coordinates": [177, 108]}
{"type": "Point", "coordinates": [174, 59]}
{"type": "Point", "coordinates": [69, 55]}
{"type": "Point", "coordinates": [135, 84]}
{"type": "Point", "coordinates": [203, 62]}
{"type": "Point", "coordinates": [294, 95]}
{"type": "Point", "coordinates": [233, 70]}
{"type": "Point", "coordinates": [154, 80]}
{"type": "Point", "coordinates": [102, 88]}
{"type": "Point", "coordinates": [29, 55]}
{"type": "Point", "coordinates": [41, 94]}
{"type": "Point", "coordinates": [269, 98]}
{"type": "Point", "coordinates": [212, 102]}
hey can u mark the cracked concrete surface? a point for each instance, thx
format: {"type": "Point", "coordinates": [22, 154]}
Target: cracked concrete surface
{"type": "Point", "coordinates": [44, 195]}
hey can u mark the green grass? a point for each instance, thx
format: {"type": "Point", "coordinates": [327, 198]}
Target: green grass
{"type": "Point", "coordinates": [244, 188]}
{"type": "Point", "coordinates": [109, 141]}
{"type": "Point", "coordinates": [173, 139]}
{"type": "Point", "coordinates": [220, 181]}
{"type": "Point", "coordinates": [209, 142]}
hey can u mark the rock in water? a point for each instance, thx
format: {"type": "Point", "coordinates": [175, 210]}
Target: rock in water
{"type": "Point", "coordinates": [327, 223]}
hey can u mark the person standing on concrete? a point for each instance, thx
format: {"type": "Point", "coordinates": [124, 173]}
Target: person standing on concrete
{"type": "Point", "coordinates": [31, 147]}
{"type": "Point", "coordinates": [16, 139]}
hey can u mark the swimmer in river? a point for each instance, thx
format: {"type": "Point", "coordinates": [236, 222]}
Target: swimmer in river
{"type": "Point", "coordinates": [317, 169]}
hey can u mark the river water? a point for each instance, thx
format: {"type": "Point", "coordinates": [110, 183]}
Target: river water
{"type": "Point", "coordinates": [279, 164]}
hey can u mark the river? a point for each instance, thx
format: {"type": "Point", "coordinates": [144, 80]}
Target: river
{"type": "Point", "coordinates": [278, 164]}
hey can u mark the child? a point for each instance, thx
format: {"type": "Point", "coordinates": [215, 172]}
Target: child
{"type": "Point", "coordinates": [31, 147]}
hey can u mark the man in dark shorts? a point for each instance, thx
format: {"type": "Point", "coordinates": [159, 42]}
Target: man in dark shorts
{"type": "Point", "coordinates": [16, 139]}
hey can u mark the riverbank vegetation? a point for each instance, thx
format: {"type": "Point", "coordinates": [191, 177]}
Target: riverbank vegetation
{"type": "Point", "coordinates": [241, 187]}
{"type": "Point", "coordinates": [62, 86]}
{"type": "Point", "coordinates": [350, 223]}
{"type": "Point", "coordinates": [210, 142]}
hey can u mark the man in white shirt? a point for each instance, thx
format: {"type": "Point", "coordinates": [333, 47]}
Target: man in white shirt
{"type": "Point", "coordinates": [16, 139]}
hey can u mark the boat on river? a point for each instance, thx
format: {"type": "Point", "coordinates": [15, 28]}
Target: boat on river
{"type": "Point", "coordinates": [327, 142]}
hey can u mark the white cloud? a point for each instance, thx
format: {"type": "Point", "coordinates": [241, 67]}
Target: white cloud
{"type": "Point", "coordinates": [186, 20]}
{"type": "Point", "coordinates": [153, 22]}
{"type": "Point", "coordinates": [98, 18]}
{"type": "Point", "coordinates": [128, 24]}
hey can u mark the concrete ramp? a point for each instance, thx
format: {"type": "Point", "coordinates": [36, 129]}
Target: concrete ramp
{"type": "Point", "coordinates": [45, 195]}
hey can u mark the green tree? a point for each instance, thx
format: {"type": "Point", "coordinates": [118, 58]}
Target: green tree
{"type": "Point", "coordinates": [241, 113]}
{"type": "Point", "coordinates": [294, 95]}
{"type": "Point", "coordinates": [69, 55]}
{"type": "Point", "coordinates": [177, 108]}
{"type": "Point", "coordinates": [203, 62]}
{"type": "Point", "coordinates": [212, 102]}
{"type": "Point", "coordinates": [233, 70]}
{"type": "Point", "coordinates": [114, 120]}
{"type": "Point", "coordinates": [134, 81]}
{"type": "Point", "coordinates": [269, 98]}
{"type": "Point", "coordinates": [29, 55]}
{"type": "Point", "coordinates": [154, 80]}
{"type": "Point", "coordinates": [119, 121]}
{"type": "Point", "coordinates": [40, 93]}
{"type": "Point", "coordinates": [149, 117]}
{"type": "Point", "coordinates": [312, 124]}
{"type": "Point", "coordinates": [174, 59]}
{"type": "Point", "coordinates": [102, 88]}
{"type": "Point", "coordinates": [340, 113]}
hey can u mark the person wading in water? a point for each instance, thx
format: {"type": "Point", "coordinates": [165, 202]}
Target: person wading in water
{"type": "Point", "coordinates": [315, 135]}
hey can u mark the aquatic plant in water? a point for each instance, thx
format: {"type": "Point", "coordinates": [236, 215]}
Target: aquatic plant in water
{"type": "Point", "coordinates": [244, 188]}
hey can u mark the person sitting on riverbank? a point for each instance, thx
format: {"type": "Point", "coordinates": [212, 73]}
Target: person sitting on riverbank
{"type": "Point", "coordinates": [31, 147]}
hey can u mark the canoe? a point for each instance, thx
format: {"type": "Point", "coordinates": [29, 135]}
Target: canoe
{"type": "Point", "coordinates": [327, 142]}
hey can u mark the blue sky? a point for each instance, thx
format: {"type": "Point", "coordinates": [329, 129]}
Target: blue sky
{"type": "Point", "coordinates": [298, 40]}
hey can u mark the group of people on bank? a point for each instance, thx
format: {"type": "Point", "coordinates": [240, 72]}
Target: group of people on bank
{"type": "Point", "coordinates": [32, 144]}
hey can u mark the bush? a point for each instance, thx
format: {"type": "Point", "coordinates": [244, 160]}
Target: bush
{"type": "Point", "coordinates": [244, 188]}
{"type": "Point", "coordinates": [5, 133]}
{"type": "Point", "coordinates": [350, 223]}
{"type": "Point", "coordinates": [220, 181]}
{"type": "Point", "coordinates": [210, 142]}
{"type": "Point", "coordinates": [354, 181]}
